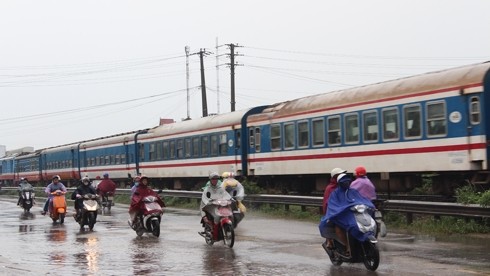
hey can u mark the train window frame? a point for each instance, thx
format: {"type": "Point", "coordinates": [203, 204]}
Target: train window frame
{"type": "Point", "coordinates": [406, 134]}
{"type": "Point", "coordinates": [205, 146]}
{"type": "Point", "coordinates": [152, 151]}
{"type": "Point", "coordinates": [351, 131]}
{"type": "Point", "coordinates": [318, 135]}
{"type": "Point", "coordinates": [142, 152]}
{"type": "Point", "coordinates": [334, 135]}
{"type": "Point", "coordinates": [475, 110]}
{"type": "Point", "coordinates": [367, 129]}
{"type": "Point", "coordinates": [159, 149]}
{"type": "Point", "coordinates": [118, 159]}
{"type": "Point", "coordinates": [214, 144]}
{"type": "Point", "coordinates": [171, 147]}
{"type": "Point", "coordinates": [434, 128]}
{"type": "Point", "coordinates": [238, 139]}
{"type": "Point", "coordinates": [387, 133]}
{"type": "Point", "coordinates": [289, 135]}
{"type": "Point", "coordinates": [180, 148]}
{"type": "Point", "coordinates": [195, 146]}
{"type": "Point", "coordinates": [257, 139]}
{"type": "Point", "coordinates": [275, 139]}
{"type": "Point", "coordinates": [107, 160]}
{"type": "Point", "coordinates": [166, 150]}
{"type": "Point", "coordinates": [301, 133]}
{"type": "Point", "coordinates": [223, 144]}
{"type": "Point", "coordinates": [123, 158]}
{"type": "Point", "coordinates": [187, 147]}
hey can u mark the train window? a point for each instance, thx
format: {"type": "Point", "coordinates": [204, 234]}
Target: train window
{"type": "Point", "coordinates": [195, 147]}
{"type": "Point", "coordinates": [107, 160]}
{"type": "Point", "coordinates": [318, 132]}
{"type": "Point", "coordinates": [275, 137]}
{"type": "Point", "coordinates": [257, 139]}
{"type": "Point", "coordinates": [118, 159]}
{"type": "Point", "coordinates": [436, 119]}
{"type": "Point", "coordinates": [214, 145]}
{"type": "Point", "coordinates": [159, 150]}
{"type": "Point", "coordinates": [113, 159]}
{"type": "Point", "coordinates": [251, 137]}
{"type": "Point", "coordinates": [152, 152]}
{"type": "Point", "coordinates": [180, 148]}
{"type": "Point", "coordinates": [412, 118]}
{"type": "Point", "coordinates": [187, 147]}
{"type": "Point", "coordinates": [351, 122]}
{"type": "Point", "coordinates": [303, 134]}
{"type": "Point", "coordinates": [97, 160]}
{"type": "Point", "coordinates": [92, 161]}
{"type": "Point", "coordinates": [223, 144]}
{"type": "Point", "coordinates": [123, 158]}
{"type": "Point", "coordinates": [166, 150]}
{"type": "Point", "coordinates": [391, 129]}
{"type": "Point", "coordinates": [370, 126]}
{"type": "Point", "coordinates": [474, 110]}
{"type": "Point", "coordinates": [142, 152]}
{"type": "Point", "coordinates": [205, 146]}
{"type": "Point", "coordinates": [172, 149]}
{"type": "Point", "coordinates": [289, 132]}
{"type": "Point", "coordinates": [238, 139]}
{"type": "Point", "coordinates": [333, 128]}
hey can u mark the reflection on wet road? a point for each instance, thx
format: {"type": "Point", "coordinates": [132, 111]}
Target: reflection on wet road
{"type": "Point", "coordinates": [32, 245]}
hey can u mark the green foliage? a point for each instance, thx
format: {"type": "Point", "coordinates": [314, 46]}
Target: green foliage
{"type": "Point", "coordinates": [426, 187]}
{"type": "Point", "coordinates": [466, 195]}
{"type": "Point", "coordinates": [484, 200]}
{"type": "Point", "coordinates": [251, 188]}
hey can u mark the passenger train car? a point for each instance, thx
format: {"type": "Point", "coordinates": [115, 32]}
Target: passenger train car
{"type": "Point", "coordinates": [399, 130]}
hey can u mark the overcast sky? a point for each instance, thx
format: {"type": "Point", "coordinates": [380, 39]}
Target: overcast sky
{"type": "Point", "coordinates": [76, 70]}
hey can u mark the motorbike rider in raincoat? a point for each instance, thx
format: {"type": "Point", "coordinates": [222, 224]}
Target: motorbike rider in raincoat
{"type": "Point", "coordinates": [52, 187]}
{"type": "Point", "coordinates": [84, 188]}
{"type": "Point", "coordinates": [24, 185]}
{"type": "Point", "coordinates": [339, 213]}
{"type": "Point", "coordinates": [211, 192]}
{"type": "Point", "coordinates": [142, 191]}
{"type": "Point", "coordinates": [234, 188]}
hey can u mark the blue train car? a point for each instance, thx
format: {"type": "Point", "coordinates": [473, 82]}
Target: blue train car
{"type": "Point", "coordinates": [400, 129]}
{"type": "Point", "coordinates": [7, 170]}
{"type": "Point", "coordinates": [28, 166]}
{"type": "Point", "coordinates": [62, 161]}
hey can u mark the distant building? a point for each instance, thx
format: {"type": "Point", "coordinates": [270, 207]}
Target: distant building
{"type": "Point", "coordinates": [166, 121]}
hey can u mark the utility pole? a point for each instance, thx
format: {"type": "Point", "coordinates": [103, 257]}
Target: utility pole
{"type": "Point", "coordinates": [217, 76]}
{"type": "Point", "coordinates": [187, 49]}
{"type": "Point", "coordinates": [232, 73]}
{"type": "Point", "coordinates": [202, 53]}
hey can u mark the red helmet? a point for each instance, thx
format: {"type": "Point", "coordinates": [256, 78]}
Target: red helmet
{"type": "Point", "coordinates": [360, 171]}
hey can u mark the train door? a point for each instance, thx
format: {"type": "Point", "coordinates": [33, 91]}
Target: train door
{"type": "Point", "coordinates": [254, 147]}
{"type": "Point", "coordinates": [237, 149]}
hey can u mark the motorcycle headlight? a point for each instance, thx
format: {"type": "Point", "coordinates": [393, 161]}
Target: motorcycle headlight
{"type": "Point", "coordinates": [359, 208]}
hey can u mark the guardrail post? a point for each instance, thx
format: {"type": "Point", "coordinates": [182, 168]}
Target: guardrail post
{"type": "Point", "coordinates": [303, 208]}
{"type": "Point", "coordinates": [409, 218]}
{"type": "Point", "coordinates": [286, 207]}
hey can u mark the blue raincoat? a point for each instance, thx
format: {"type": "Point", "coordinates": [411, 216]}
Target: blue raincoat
{"type": "Point", "coordinates": [339, 213]}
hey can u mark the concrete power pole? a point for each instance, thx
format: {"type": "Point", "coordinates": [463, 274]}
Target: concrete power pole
{"type": "Point", "coordinates": [217, 76]}
{"type": "Point", "coordinates": [202, 53]}
{"type": "Point", "coordinates": [187, 49]}
{"type": "Point", "coordinates": [232, 73]}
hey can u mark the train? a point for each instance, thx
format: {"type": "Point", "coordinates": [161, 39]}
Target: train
{"type": "Point", "coordinates": [401, 130]}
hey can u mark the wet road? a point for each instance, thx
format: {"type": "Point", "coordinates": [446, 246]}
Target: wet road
{"type": "Point", "coordinates": [32, 245]}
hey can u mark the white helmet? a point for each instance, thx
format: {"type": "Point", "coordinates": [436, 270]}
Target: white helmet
{"type": "Point", "coordinates": [337, 171]}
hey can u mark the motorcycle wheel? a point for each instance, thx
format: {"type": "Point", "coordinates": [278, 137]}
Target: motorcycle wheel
{"type": "Point", "coordinates": [334, 258]}
{"type": "Point", "coordinates": [62, 218]}
{"type": "Point", "coordinates": [209, 234]}
{"type": "Point", "coordinates": [91, 221]}
{"type": "Point", "coordinates": [228, 235]}
{"type": "Point", "coordinates": [155, 227]}
{"type": "Point", "coordinates": [371, 256]}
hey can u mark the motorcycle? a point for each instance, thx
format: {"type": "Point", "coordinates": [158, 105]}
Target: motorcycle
{"type": "Point", "coordinates": [238, 212]}
{"type": "Point", "coordinates": [107, 201]}
{"type": "Point", "coordinates": [148, 221]}
{"type": "Point", "coordinates": [57, 206]}
{"type": "Point", "coordinates": [362, 242]}
{"type": "Point", "coordinates": [27, 200]}
{"type": "Point", "coordinates": [218, 210]}
{"type": "Point", "coordinates": [378, 217]}
{"type": "Point", "coordinates": [88, 215]}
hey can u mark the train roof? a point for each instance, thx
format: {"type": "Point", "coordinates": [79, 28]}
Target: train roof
{"type": "Point", "coordinates": [200, 124]}
{"type": "Point", "coordinates": [460, 77]}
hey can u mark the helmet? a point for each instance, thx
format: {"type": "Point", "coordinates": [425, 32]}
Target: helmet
{"type": "Point", "coordinates": [228, 174]}
{"type": "Point", "coordinates": [141, 179]}
{"type": "Point", "coordinates": [337, 171]}
{"type": "Point", "coordinates": [137, 178]}
{"type": "Point", "coordinates": [97, 177]}
{"type": "Point", "coordinates": [360, 171]}
{"type": "Point", "coordinates": [213, 175]}
{"type": "Point", "coordinates": [55, 176]}
{"type": "Point", "coordinates": [86, 179]}
{"type": "Point", "coordinates": [343, 180]}
{"type": "Point", "coordinates": [106, 175]}
{"type": "Point", "coordinates": [23, 179]}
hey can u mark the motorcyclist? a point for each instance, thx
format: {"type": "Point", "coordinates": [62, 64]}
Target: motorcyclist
{"type": "Point", "coordinates": [332, 185]}
{"type": "Point", "coordinates": [84, 188]}
{"type": "Point", "coordinates": [136, 182]}
{"type": "Point", "coordinates": [362, 184]}
{"type": "Point", "coordinates": [211, 192]}
{"type": "Point", "coordinates": [338, 210]}
{"type": "Point", "coordinates": [106, 186]}
{"type": "Point", "coordinates": [24, 185]}
{"type": "Point", "coordinates": [52, 187]}
{"type": "Point", "coordinates": [141, 191]}
{"type": "Point", "coordinates": [237, 192]}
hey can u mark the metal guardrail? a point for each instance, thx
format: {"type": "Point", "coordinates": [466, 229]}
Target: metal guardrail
{"type": "Point", "coordinates": [402, 206]}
